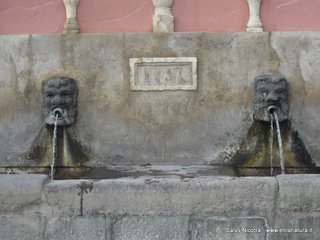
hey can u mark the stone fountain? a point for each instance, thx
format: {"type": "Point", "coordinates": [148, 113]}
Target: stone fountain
{"type": "Point", "coordinates": [56, 144]}
{"type": "Point", "coordinates": [261, 150]}
{"type": "Point", "coordinates": [157, 123]}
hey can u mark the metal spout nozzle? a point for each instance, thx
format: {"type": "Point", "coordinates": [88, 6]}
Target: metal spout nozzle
{"type": "Point", "coordinates": [271, 109]}
{"type": "Point", "coordinates": [57, 112]}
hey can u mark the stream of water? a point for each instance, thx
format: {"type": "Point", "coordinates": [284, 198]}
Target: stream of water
{"type": "Point", "coordinates": [54, 147]}
{"type": "Point", "coordinates": [279, 142]}
{"type": "Point", "coordinates": [271, 144]}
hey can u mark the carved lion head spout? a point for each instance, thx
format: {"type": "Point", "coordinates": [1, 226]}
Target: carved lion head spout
{"type": "Point", "coordinates": [270, 95]}
{"type": "Point", "coordinates": [59, 99]}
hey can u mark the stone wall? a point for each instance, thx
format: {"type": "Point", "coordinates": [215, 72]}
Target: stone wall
{"type": "Point", "coordinates": [157, 208]}
{"type": "Point", "coordinates": [120, 126]}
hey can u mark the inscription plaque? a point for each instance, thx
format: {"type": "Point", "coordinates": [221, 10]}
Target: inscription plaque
{"type": "Point", "coordinates": [149, 74]}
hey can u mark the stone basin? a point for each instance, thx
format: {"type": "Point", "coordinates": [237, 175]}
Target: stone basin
{"type": "Point", "coordinates": [160, 207]}
{"type": "Point", "coordinates": [119, 171]}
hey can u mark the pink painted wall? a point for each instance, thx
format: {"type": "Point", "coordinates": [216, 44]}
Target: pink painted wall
{"type": "Point", "coordinates": [115, 15]}
{"type": "Point", "coordinates": [290, 15]}
{"type": "Point", "coordinates": [48, 16]}
{"type": "Point", "coordinates": [31, 16]}
{"type": "Point", "coordinates": [209, 15]}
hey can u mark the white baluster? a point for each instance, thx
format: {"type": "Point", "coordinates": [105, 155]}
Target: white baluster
{"type": "Point", "coordinates": [163, 20]}
{"type": "Point", "coordinates": [71, 25]}
{"type": "Point", "coordinates": [254, 23]}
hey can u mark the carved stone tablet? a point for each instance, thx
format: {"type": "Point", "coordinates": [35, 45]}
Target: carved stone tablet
{"type": "Point", "coordinates": [148, 74]}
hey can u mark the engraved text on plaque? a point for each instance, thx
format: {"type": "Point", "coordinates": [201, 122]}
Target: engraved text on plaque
{"type": "Point", "coordinates": [147, 74]}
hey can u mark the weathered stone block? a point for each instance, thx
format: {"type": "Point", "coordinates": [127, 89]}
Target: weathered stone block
{"type": "Point", "coordinates": [298, 209]}
{"type": "Point", "coordinates": [296, 226]}
{"type": "Point", "coordinates": [151, 228]}
{"type": "Point", "coordinates": [174, 196]}
{"type": "Point", "coordinates": [66, 197]}
{"type": "Point", "coordinates": [219, 228]}
{"type": "Point", "coordinates": [19, 190]}
{"type": "Point", "coordinates": [20, 228]}
{"type": "Point", "coordinates": [79, 228]}
{"type": "Point", "coordinates": [163, 196]}
{"type": "Point", "coordinates": [299, 193]}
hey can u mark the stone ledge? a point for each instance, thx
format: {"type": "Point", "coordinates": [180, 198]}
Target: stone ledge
{"type": "Point", "coordinates": [299, 193]}
{"type": "Point", "coordinates": [167, 196]}
{"type": "Point", "coordinates": [170, 196]}
{"type": "Point", "coordinates": [19, 190]}
{"type": "Point", "coordinates": [174, 206]}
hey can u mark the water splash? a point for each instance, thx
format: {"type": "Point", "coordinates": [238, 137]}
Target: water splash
{"type": "Point", "coordinates": [54, 147]}
{"type": "Point", "coordinates": [271, 144]}
{"type": "Point", "coordinates": [279, 143]}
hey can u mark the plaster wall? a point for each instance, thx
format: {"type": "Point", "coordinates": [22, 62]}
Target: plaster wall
{"type": "Point", "coordinates": [48, 16]}
{"type": "Point", "coordinates": [19, 16]}
{"type": "Point", "coordinates": [120, 126]}
{"type": "Point", "coordinates": [283, 15]}
{"type": "Point", "coordinates": [210, 16]}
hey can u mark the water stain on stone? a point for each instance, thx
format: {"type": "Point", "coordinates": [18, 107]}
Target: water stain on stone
{"type": "Point", "coordinates": [84, 187]}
